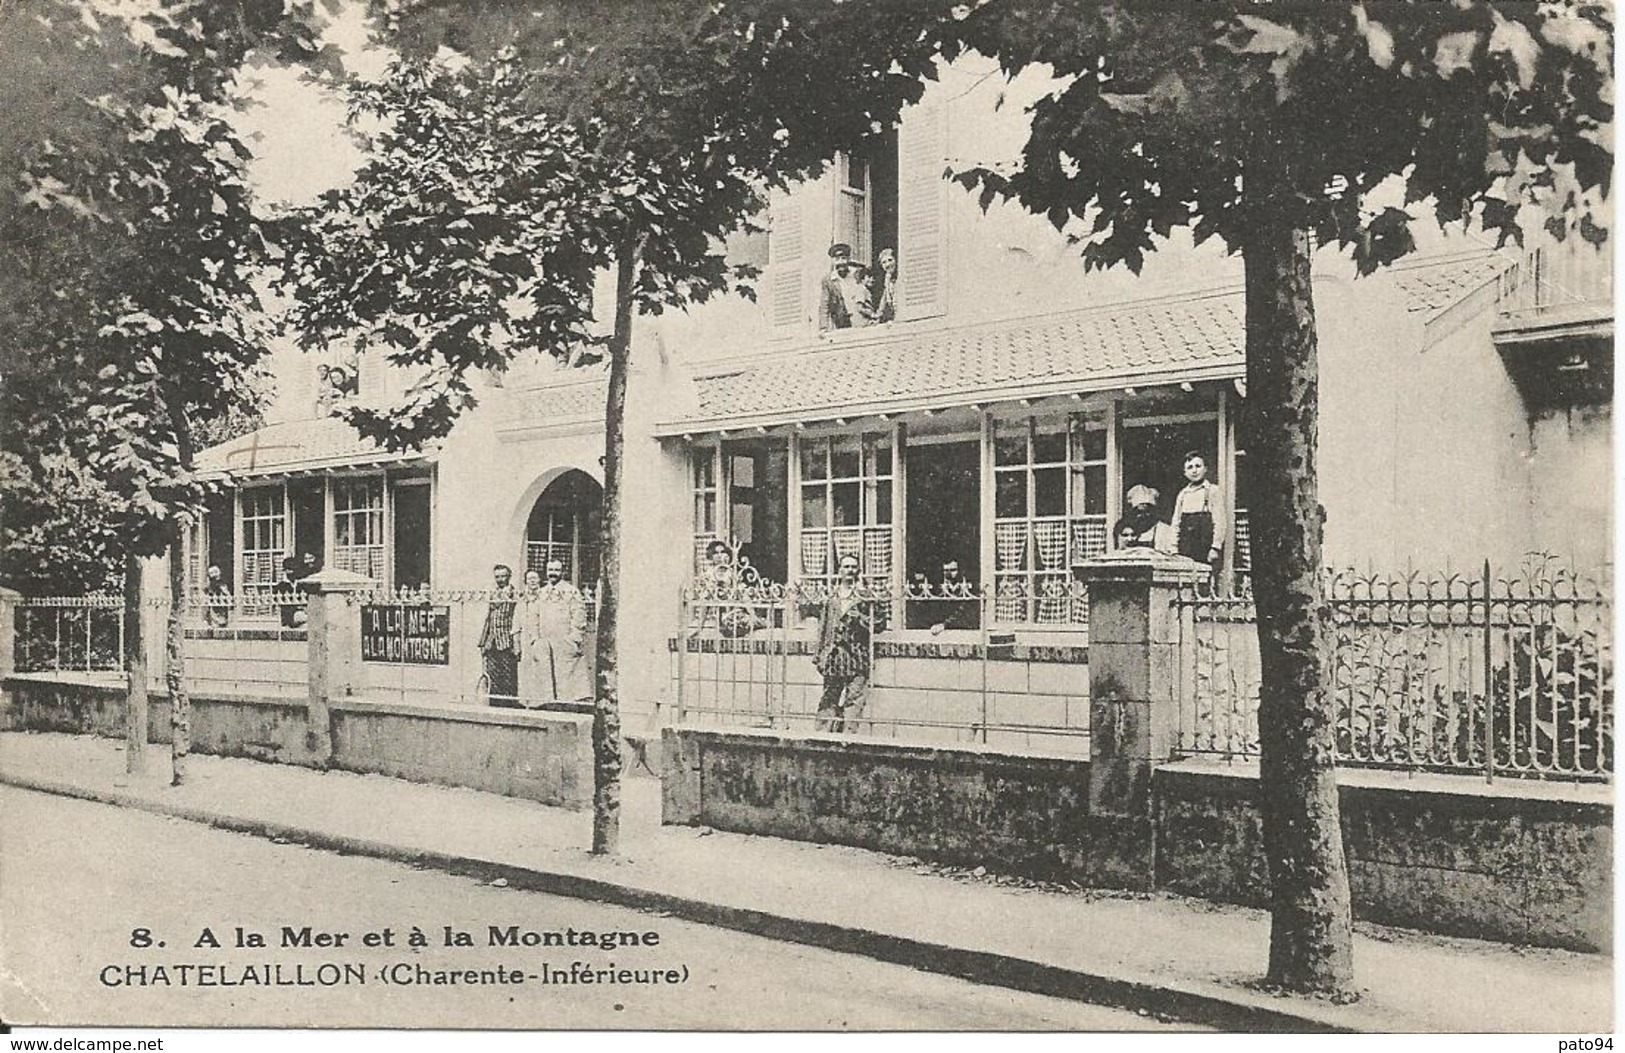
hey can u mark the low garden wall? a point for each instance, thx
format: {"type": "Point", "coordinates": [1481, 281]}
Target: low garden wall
{"type": "Point", "coordinates": [964, 804]}
{"type": "Point", "coordinates": [1516, 862]}
{"type": "Point", "coordinates": [544, 757]}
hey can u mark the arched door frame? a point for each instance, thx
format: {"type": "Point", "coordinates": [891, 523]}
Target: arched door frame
{"type": "Point", "coordinates": [519, 522]}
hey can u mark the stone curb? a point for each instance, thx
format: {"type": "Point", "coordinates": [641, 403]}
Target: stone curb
{"type": "Point", "coordinates": [1226, 1011]}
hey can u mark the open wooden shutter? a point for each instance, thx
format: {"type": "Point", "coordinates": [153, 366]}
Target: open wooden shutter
{"type": "Point", "coordinates": [922, 252]}
{"type": "Point", "coordinates": [374, 377]}
{"type": "Point", "coordinates": [784, 268]}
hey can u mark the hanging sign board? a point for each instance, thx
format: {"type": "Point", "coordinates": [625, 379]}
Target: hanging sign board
{"type": "Point", "coordinates": [406, 634]}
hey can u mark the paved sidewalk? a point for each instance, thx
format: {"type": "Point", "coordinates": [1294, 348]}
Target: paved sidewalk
{"type": "Point", "coordinates": [1162, 954]}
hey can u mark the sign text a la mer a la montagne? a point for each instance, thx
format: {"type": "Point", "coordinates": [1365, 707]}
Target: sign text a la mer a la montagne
{"type": "Point", "coordinates": [406, 633]}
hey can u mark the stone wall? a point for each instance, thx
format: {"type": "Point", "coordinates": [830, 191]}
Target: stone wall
{"type": "Point", "coordinates": [1514, 861]}
{"type": "Point", "coordinates": [544, 757]}
{"type": "Point", "coordinates": [960, 804]}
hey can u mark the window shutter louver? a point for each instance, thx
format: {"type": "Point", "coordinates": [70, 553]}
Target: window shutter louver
{"type": "Point", "coordinates": [374, 374]}
{"type": "Point", "coordinates": [921, 235]}
{"type": "Point", "coordinates": [784, 274]}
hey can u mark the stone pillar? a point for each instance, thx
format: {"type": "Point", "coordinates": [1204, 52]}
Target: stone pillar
{"type": "Point", "coordinates": [1133, 700]}
{"type": "Point", "coordinates": [333, 635]}
{"type": "Point", "coordinates": [9, 599]}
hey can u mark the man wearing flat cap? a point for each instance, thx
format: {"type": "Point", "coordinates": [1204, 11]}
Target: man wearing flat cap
{"type": "Point", "coordinates": [833, 312]}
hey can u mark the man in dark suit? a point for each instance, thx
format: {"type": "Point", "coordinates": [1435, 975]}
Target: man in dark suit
{"type": "Point", "coordinates": [499, 644]}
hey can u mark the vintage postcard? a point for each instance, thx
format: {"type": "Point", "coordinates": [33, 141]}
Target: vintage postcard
{"type": "Point", "coordinates": [1001, 516]}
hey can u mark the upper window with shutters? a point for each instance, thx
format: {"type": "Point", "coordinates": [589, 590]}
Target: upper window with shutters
{"type": "Point", "coordinates": [864, 245]}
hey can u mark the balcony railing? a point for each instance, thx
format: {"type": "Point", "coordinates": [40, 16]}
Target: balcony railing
{"type": "Point", "coordinates": [1557, 280]}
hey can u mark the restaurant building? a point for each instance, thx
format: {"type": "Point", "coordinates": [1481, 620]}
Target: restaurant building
{"type": "Point", "coordinates": [994, 418]}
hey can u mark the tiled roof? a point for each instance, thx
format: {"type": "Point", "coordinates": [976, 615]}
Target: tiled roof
{"type": "Point", "coordinates": [1431, 287]}
{"type": "Point", "coordinates": [1194, 336]}
{"type": "Point", "coordinates": [1182, 338]}
{"type": "Point", "coordinates": [297, 446]}
{"type": "Point", "coordinates": [555, 403]}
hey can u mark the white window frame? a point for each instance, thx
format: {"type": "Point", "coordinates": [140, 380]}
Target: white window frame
{"type": "Point", "coordinates": [854, 205]}
{"type": "Point", "coordinates": [360, 535]}
{"type": "Point", "coordinates": [705, 494]}
{"type": "Point", "coordinates": [1032, 553]}
{"type": "Point", "coordinates": [821, 546]}
{"type": "Point", "coordinates": [264, 518]}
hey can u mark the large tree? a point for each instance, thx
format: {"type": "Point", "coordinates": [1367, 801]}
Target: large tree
{"type": "Point", "coordinates": [1278, 128]}
{"type": "Point", "coordinates": [680, 115]}
{"type": "Point", "coordinates": [1269, 127]}
{"type": "Point", "coordinates": [128, 244]}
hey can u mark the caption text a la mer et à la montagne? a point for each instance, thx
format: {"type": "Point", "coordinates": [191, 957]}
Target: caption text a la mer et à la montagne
{"type": "Point", "coordinates": [301, 937]}
{"type": "Point", "coordinates": [308, 972]}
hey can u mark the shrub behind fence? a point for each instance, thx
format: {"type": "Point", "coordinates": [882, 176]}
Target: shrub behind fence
{"type": "Point", "coordinates": [1499, 674]}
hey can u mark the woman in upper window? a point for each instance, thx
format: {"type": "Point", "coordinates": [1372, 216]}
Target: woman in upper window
{"type": "Point", "coordinates": [883, 288]}
{"type": "Point", "coordinates": [1199, 527]}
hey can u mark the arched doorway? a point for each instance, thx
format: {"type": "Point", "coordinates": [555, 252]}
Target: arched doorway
{"type": "Point", "coordinates": [564, 525]}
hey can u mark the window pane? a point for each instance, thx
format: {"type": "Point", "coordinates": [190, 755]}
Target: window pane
{"type": "Point", "coordinates": [1094, 492]}
{"type": "Point", "coordinates": [814, 509]}
{"type": "Point", "coordinates": [704, 470]}
{"type": "Point", "coordinates": [848, 504]}
{"type": "Point", "coordinates": [857, 171]}
{"type": "Point", "coordinates": [878, 456]}
{"type": "Point", "coordinates": [813, 459]}
{"type": "Point", "coordinates": [1049, 448]}
{"type": "Point", "coordinates": [1010, 447]}
{"type": "Point", "coordinates": [705, 514]}
{"type": "Point", "coordinates": [844, 459]}
{"type": "Point", "coordinates": [880, 494]}
{"type": "Point", "coordinates": [743, 471]}
{"type": "Point", "coordinates": [1049, 492]}
{"type": "Point", "coordinates": [1010, 495]}
{"type": "Point", "coordinates": [1091, 444]}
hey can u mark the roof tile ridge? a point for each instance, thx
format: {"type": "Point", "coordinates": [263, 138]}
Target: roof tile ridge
{"type": "Point", "coordinates": [1446, 259]}
{"type": "Point", "coordinates": [746, 361]}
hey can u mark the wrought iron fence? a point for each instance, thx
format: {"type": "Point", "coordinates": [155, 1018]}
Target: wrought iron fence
{"type": "Point", "coordinates": [70, 634]}
{"type": "Point", "coordinates": [1506, 674]}
{"type": "Point", "coordinates": [747, 655]}
{"type": "Point", "coordinates": [245, 647]}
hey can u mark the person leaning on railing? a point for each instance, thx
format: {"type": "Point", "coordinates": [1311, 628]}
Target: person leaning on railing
{"type": "Point", "coordinates": [216, 599]}
{"type": "Point", "coordinates": [844, 654]}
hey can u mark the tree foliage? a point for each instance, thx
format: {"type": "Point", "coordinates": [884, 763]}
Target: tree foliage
{"type": "Point", "coordinates": [1478, 107]}
{"type": "Point", "coordinates": [128, 243]}
{"type": "Point", "coordinates": [1274, 128]}
{"type": "Point", "coordinates": [661, 131]}
{"type": "Point", "coordinates": [476, 231]}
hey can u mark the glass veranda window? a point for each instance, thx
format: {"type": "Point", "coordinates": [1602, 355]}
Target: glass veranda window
{"type": "Point", "coordinates": [265, 544]}
{"type": "Point", "coordinates": [703, 486]}
{"type": "Point", "coordinates": [358, 527]}
{"type": "Point", "coordinates": [1049, 485]}
{"type": "Point", "coordinates": [846, 506]}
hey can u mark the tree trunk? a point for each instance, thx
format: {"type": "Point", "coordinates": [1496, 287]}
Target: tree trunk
{"type": "Point", "coordinates": [135, 667]}
{"type": "Point", "coordinates": [180, 704]}
{"type": "Point", "coordinates": [1310, 935]}
{"type": "Point", "coordinates": [606, 707]}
